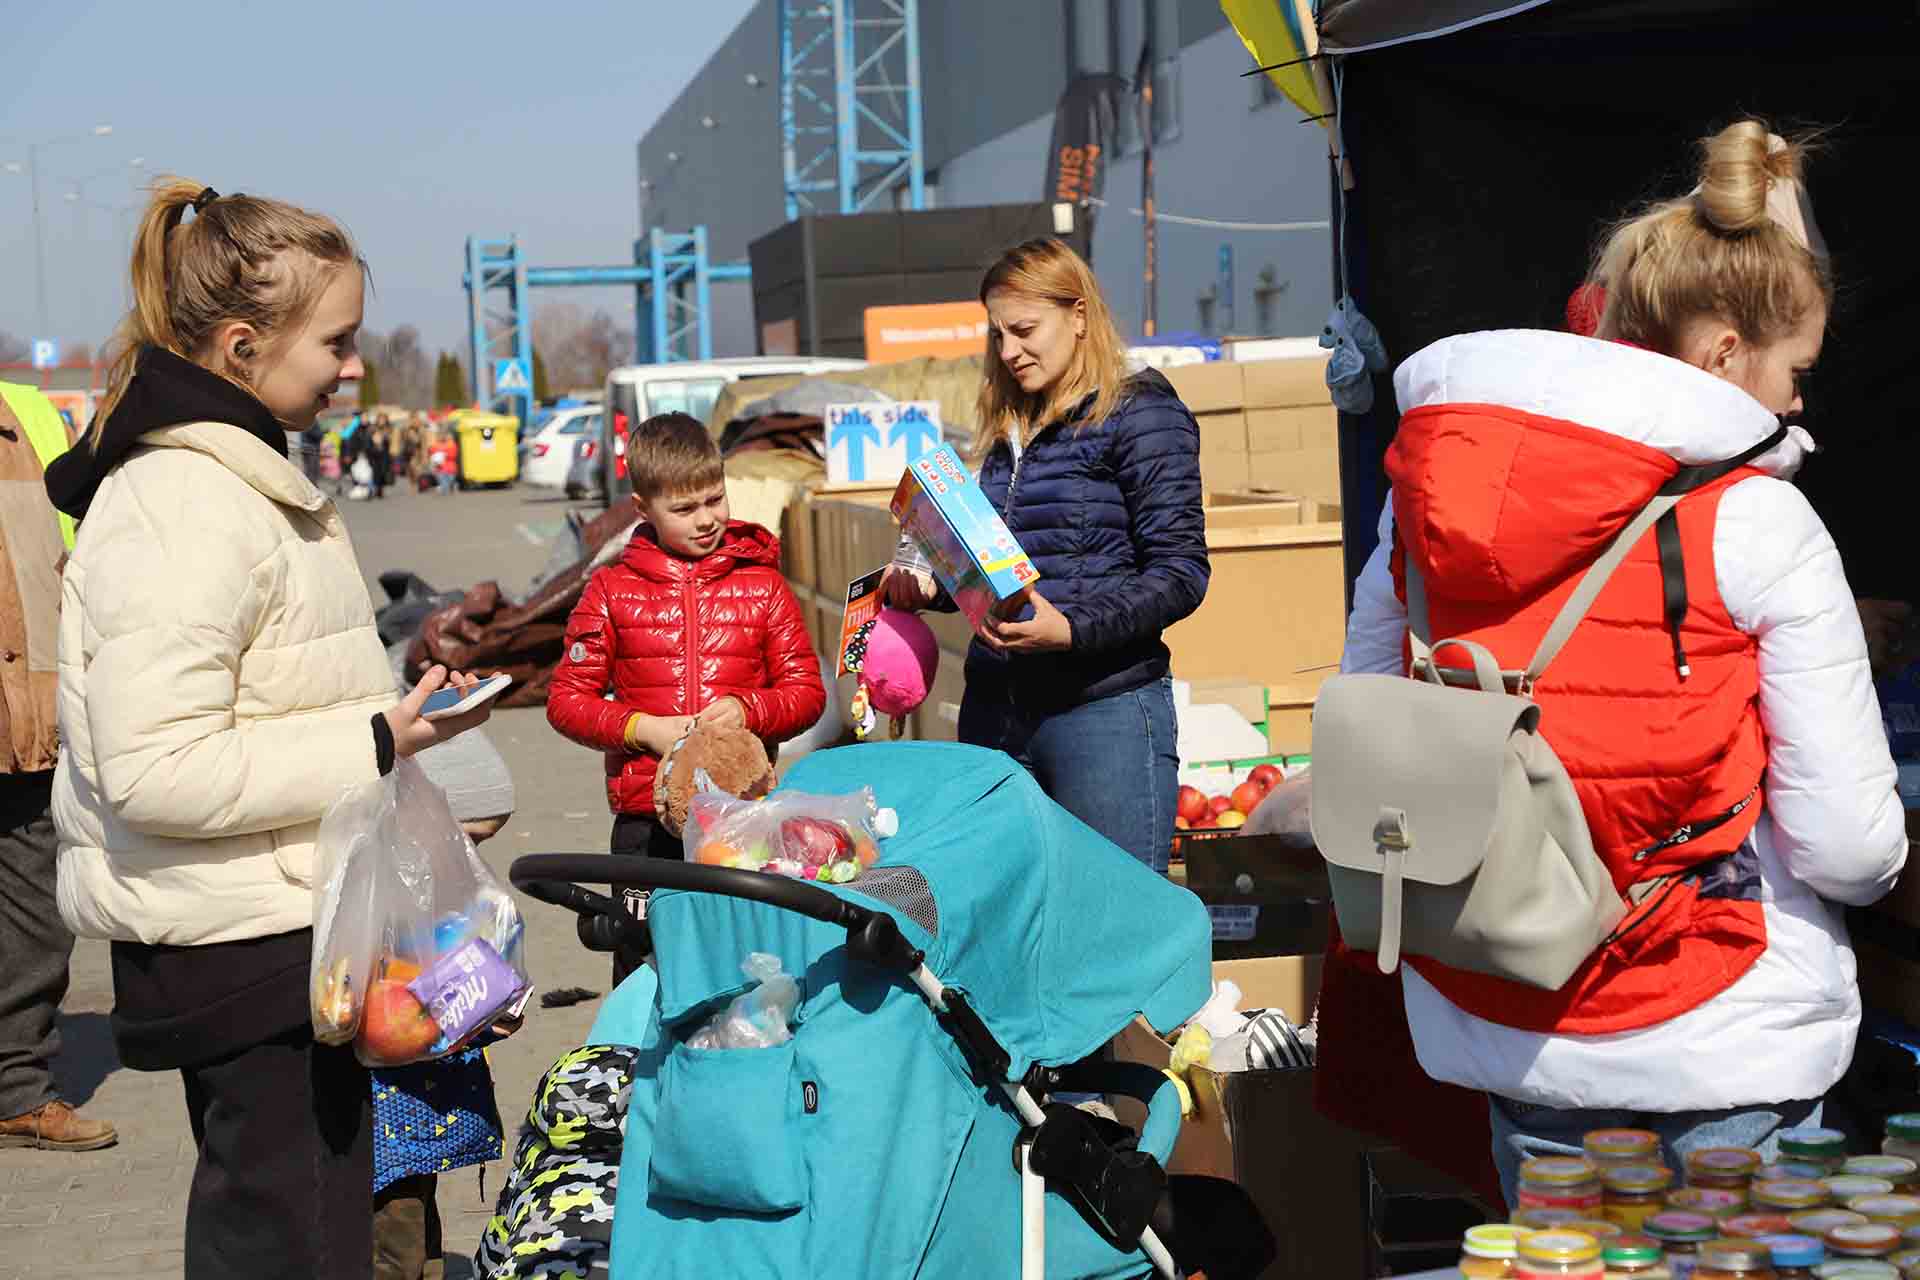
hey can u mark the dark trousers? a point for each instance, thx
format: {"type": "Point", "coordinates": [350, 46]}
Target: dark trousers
{"type": "Point", "coordinates": [34, 945]}
{"type": "Point", "coordinates": [638, 835]}
{"type": "Point", "coordinates": [406, 1230]}
{"type": "Point", "coordinates": [284, 1186]}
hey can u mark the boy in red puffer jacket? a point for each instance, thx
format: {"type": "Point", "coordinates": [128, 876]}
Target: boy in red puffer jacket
{"type": "Point", "coordinates": [693, 621]}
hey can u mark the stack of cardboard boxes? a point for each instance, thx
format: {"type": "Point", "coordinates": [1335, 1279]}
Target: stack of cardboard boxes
{"type": "Point", "coordinates": [1266, 426]}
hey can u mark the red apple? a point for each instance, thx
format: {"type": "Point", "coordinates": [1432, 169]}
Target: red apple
{"type": "Point", "coordinates": [396, 1028]}
{"type": "Point", "coordinates": [1248, 795]}
{"type": "Point", "coordinates": [1180, 823]}
{"type": "Point", "coordinates": [1219, 805]}
{"type": "Point", "coordinates": [1192, 804]}
{"type": "Point", "coordinates": [1268, 776]}
{"type": "Point", "coordinates": [1205, 824]}
{"type": "Point", "coordinates": [1231, 818]}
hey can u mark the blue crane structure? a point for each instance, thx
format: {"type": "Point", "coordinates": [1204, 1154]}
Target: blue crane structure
{"type": "Point", "coordinates": [850, 104]}
{"type": "Point", "coordinates": [671, 277]}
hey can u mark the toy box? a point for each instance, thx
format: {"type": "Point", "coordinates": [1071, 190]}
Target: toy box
{"type": "Point", "coordinates": [941, 506]}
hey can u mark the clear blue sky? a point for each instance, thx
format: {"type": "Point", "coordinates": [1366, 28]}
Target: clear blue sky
{"type": "Point", "coordinates": [415, 122]}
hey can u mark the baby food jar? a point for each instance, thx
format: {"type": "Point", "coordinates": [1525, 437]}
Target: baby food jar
{"type": "Point", "coordinates": [1711, 1201]}
{"type": "Point", "coordinates": [1681, 1234]}
{"type": "Point", "coordinates": [1755, 1226]}
{"type": "Point", "coordinates": [1818, 1222]}
{"type": "Point", "coordinates": [1547, 1219]}
{"type": "Point", "coordinates": [1609, 1147]}
{"type": "Point", "coordinates": [1559, 1255]}
{"type": "Point", "coordinates": [1794, 1256]}
{"type": "Point", "coordinates": [1856, 1269]}
{"type": "Point", "coordinates": [1788, 1195]}
{"type": "Point", "coordinates": [1903, 1135]}
{"type": "Point", "coordinates": [1734, 1260]}
{"type": "Point", "coordinates": [1723, 1168]}
{"type": "Point", "coordinates": [1635, 1192]}
{"type": "Point", "coordinates": [1844, 1187]}
{"type": "Point", "coordinates": [1634, 1258]}
{"type": "Point", "coordinates": [1789, 1171]}
{"type": "Point", "coordinates": [1488, 1252]}
{"type": "Point", "coordinates": [1598, 1228]}
{"type": "Point", "coordinates": [1863, 1240]}
{"type": "Point", "coordinates": [1901, 1211]}
{"type": "Point", "coordinates": [1560, 1182]}
{"type": "Point", "coordinates": [1824, 1147]}
{"type": "Point", "coordinates": [1907, 1260]}
{"type": "Point", "coordinates": [1901, 1171]}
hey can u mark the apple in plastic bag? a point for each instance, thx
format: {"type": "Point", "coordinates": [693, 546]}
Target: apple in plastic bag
{"type": "Point", "coordinates": [814, 842]}
{"type": "Point", "coordinates": [396, 1028]}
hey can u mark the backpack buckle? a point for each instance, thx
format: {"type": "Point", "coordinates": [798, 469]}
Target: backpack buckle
{"type": "Point", "coordinates": [1392, 831]}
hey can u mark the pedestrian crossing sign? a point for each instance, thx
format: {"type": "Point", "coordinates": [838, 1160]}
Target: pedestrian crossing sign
{"type": "Point", "coordinates": [510, 378]}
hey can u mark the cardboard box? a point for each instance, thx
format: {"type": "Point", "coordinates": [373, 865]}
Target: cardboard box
{"type": "Point", "coordinates": [1271, 384]}
{"type": "Point", "coordinates": [938, 718]}
{"type": "Point", "coordinates": [1248, 697]}
{"type": "Point", "coordinates": [1223, 432]}
{"type": "Point", "coordinates": [1290, 713]}
{"type": "Point", "coordinates": [975, 556]}
{"type": "Point", "coordinates": [869, 442]}
{"type": "Point", "coordinates": [1224, 471]}
{"type": "Point", "coordinates": [1290, 429]}
{"type": "Point", "coordinates": [1309, 473]}
{"type": "Point", "coordinates": [1208, 387]}
{"type": "Point", "coordinates": [1267, 897]}
{"type": "Point", "coordinates": [1252, 349]}
{"type": "Point", "coordinates": [1275, 606]}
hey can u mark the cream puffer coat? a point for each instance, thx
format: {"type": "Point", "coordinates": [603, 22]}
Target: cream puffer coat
{"type": "Point", "coordinates": [219, 672]}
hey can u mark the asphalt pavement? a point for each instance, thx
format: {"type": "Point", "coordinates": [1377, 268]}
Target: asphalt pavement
{"type": "Point", "coordinates": [120, 1212]}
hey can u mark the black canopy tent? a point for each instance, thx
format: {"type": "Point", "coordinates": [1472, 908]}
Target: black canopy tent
{"type": "Point", "coordinates": [1492, 144]}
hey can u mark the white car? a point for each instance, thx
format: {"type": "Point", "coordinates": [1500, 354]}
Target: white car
{"type": "Point", "coordinates": [550, 452]}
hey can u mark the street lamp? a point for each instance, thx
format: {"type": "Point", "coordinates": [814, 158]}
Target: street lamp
{"type": "Point", "coordinates": [39, 238]}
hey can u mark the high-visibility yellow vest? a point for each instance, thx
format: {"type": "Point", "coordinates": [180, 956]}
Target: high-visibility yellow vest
{"type": "Point", "coordinates": [46, 431]}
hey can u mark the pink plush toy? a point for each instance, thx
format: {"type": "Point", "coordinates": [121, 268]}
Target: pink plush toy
{"type": "Point", "coordinates": [898, 657]}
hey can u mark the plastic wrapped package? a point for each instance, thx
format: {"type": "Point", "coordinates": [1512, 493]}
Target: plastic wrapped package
{"type": "Point", "coordinates": [757, 1018]}
{"type": "Point", "coordinates": [790, 833]}
{"type": "Point", "coordinates": [416, 946]}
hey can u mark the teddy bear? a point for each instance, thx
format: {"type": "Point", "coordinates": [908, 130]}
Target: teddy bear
{"type": "Point", "coordinates": [709, 759]}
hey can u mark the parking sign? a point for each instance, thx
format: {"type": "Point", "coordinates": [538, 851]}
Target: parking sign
{"type": "Point", "coordinates": [46, 353]}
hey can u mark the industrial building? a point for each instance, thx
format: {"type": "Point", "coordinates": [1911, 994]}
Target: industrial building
{"type": "Point", "coordinates": [1235, 165]}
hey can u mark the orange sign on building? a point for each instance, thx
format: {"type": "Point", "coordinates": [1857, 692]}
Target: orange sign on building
{"type": "Point", "coordinates": [940, 329]}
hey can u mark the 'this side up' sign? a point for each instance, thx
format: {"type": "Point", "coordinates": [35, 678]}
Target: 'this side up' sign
{"type": "Point", "coordinates": [873, 443]}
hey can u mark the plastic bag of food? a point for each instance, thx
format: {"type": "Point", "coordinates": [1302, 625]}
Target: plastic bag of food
{"type": "Point", "coordinates": [759, 1017]}
{"type": "Point", "coordinates": [416, 947]}
{"type": "Point", "coordinates": [790, 833]}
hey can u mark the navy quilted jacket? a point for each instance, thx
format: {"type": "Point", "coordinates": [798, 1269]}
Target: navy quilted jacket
{"type": "Point", "coordinates": [1111, 514]}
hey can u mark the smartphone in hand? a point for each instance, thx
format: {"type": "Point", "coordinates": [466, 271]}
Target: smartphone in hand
{"type": "Point", "coordinates": [456, 700]}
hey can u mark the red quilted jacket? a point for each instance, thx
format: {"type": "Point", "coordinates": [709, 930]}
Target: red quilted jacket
{"type": "Point", "coordinates": [669, 635]}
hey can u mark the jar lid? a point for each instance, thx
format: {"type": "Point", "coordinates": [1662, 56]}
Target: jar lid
{"type": "Point", "coordinates": [1845, 1186]}
{"type": "Point", "coordinates": [1790, 1171]}
{"type": "Point", "coordinates": [1857, 1269]}
{"type": "Point", "coordinates": [1904, 1127]}
{"type": "Point", "coordinates": [1795, 1251]}
{"type": "Point", "coordinates": [1626, 1249]}
{"type": "Point", "coordinates": [1906, 1259]}
{"type": "Point", "coordinates": [1892, 1168]}
{"type": "Point", "coordinates": [1678, 1226]}
{"type": "Point", "coordinates": [1494, 1240]}
{"type": "Point", "coordinates": [1818, 1222]}
{"type": "Point", "coordinates": [1751, 1226]}
{"type": "Point", "coordinates": [1789, 1193]}
{"type": "Point", "coordinates": [1710, 1200]}
{"type": "Point", "coordinates": [1615, 1143]}
{"type": "Point", "coordinates": [1601, 1231]}
{"type": "Point", "coordinates": [1819, 1143]}
{"type": "Point", "coordinates": [1886, 1207]}
{"type": "Point", "coordinates": [1864, 1238]}
{"type": "Point", "coordinates": [1558, 1171]}
{"type": "Point", "coordinates": [1724, 1162]}
{"type": "Point", "coordinates": [1640, 1179]}
{"type": "Point", "coordinates": [1735, 1255]}
{"type": "Point", "coordinates": [1545, 1219]}
{"type": "Point", "coordinates": [1560, 1246]}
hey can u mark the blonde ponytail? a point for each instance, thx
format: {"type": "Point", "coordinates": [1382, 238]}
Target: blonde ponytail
{"type": "Point", "coordinates": [241, 258]}
{"type": "Point", "coordinates": [1725, 251]}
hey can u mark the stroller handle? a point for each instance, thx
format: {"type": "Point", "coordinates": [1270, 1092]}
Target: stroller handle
{"type": "Point", "coordinates": [664, 873]}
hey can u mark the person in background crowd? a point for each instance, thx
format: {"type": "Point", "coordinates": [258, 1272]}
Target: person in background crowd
{"type": "Point", "coordinates": [1731, 762]}
{"type": "Point", "coordinates": [1097, 474]}
{"type": "Point", "coordinates": [211, 710]}
{"type": "Point", "coordinates": [380, 455]}
{"type": "Point", "coordinates": [445, 456]}
{"type": "Point", "coordinates": [693, 621]}
{"type": "Point", "coordinates": [35, 945]}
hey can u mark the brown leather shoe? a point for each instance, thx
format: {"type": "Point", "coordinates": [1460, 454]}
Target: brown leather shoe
{"type": "Point", "coordinates": [57, 1127]}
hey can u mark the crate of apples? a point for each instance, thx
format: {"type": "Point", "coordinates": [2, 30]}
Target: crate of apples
{"type": "Point", "coordinates": [1198, 811]}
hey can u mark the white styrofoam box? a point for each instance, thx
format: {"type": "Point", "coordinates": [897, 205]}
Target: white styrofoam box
{"type": "Point", "coordinates": [1274, 349]}
{"type": "Point", "coordinates": [1214, 731]}
{"type": "Point", "coordinates": [1182, 695]}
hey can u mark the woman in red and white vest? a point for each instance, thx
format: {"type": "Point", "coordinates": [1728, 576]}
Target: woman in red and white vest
{"type": "Point", "coordinates": [1731, 753]}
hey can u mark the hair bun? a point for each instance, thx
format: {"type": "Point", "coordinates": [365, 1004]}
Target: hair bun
{"type": "Point", "coordinates": [1737, 167]}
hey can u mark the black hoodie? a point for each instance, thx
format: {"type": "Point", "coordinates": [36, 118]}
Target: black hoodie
{"type": "Point", "coordinates": [165, 391]}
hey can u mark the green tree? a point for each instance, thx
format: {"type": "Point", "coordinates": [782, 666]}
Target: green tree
{"type": "Point", "coordinates": [369, 385]}
{"type": "Point", "coordinates": [449, 382]}
{"type": "Point", "coordinates": [540, 389]}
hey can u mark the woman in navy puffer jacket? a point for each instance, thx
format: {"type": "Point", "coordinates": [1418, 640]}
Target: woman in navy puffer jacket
{"type": "Point", "coordinates": [1097, 473]}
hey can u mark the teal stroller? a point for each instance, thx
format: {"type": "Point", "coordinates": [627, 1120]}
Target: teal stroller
{"type": "Point", "coordinates": [909, 1126]}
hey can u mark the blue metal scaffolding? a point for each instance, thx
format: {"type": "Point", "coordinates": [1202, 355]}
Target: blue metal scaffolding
{"type": "Point", "coordinates": [671, 277]}
{"type": "Point", "coordinates": [870, 52]}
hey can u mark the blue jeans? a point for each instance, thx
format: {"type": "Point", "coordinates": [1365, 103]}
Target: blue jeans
{"type": "Point", "coordinates": [1521, 1130]}
{"type": "Point", "coordinates": [1113, 763]}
